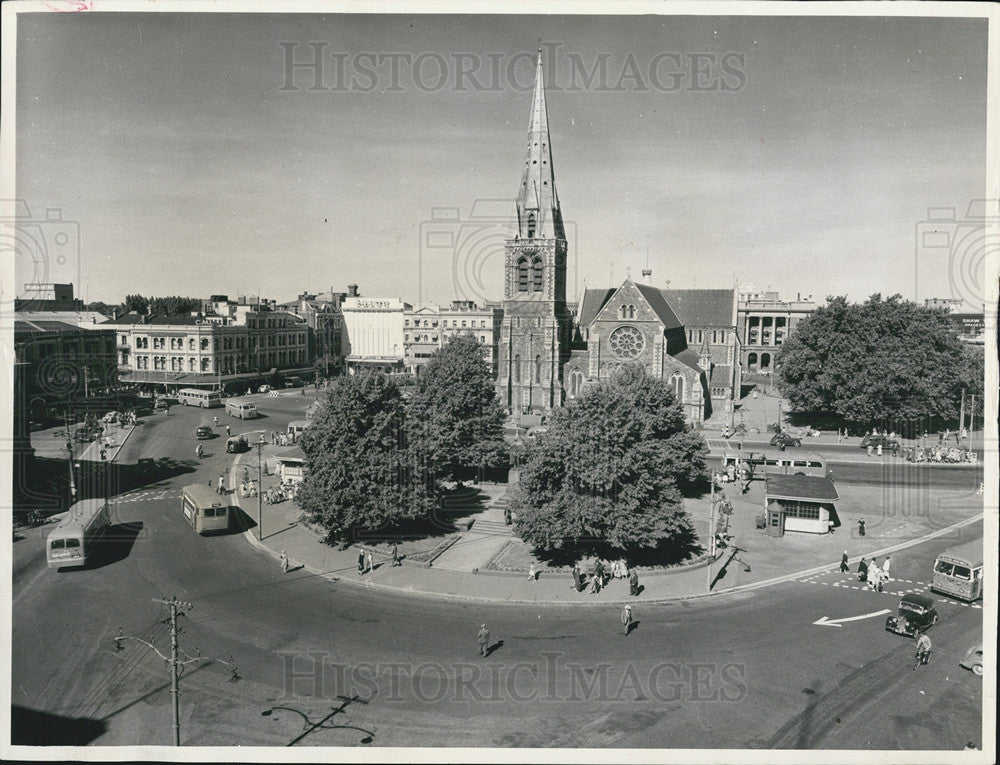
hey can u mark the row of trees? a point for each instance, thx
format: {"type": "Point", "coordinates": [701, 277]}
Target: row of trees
{"type": "Point", "coordinates": [608, 477]}
{"type": "Point", "coordinates": [878, 362]}
{"type": "Point", "coordinates": [173, 305]}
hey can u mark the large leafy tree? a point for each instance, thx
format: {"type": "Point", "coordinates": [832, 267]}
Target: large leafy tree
{"type": "Point", "coordinates": [876, 362]}
{"type": "Point", "coordinates": [455, 418]}
{"type": "Point", "coordinates": [609, 475]}
{"type": "Point", "coordinates": [174, 305]}
{"type": "Point", "coordinates": [361, 472]}
{"type": "Point", "coordinates": [136, 303]}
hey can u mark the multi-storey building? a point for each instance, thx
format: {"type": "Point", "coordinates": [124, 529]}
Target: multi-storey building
{"type": "Point", "coordinates": [325, 323]}
{"type": "Point", "coordinates": [373, 332]}
{"type": "Point", "coordinates": [427, 328]}
{"type": "Point", "coordinates": [764, 322]}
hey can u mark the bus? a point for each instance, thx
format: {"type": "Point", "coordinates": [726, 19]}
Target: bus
{"type": "Point", "coordinates": [69, 543]}
{"type": "Point", "coordinates": [205, 509]}
{"type": "Point", "coordinates": [206, 399]}
{"type": "Point", "coordinates": [762, 464]}
{"type": "Point", "coordinates": [958, 571]}
{"type": "Point", "coordinates": [242, 408]}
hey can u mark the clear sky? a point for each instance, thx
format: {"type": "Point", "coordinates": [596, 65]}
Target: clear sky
{"type": "Point", "coordinates": [802, 158]}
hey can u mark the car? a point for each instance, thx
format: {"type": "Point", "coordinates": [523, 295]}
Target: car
{"type": "Point", "coordinates": [204, 432]}
{"type": "Point", "coordinates": [973, 659]}
{"type": "Point", "coordinates": [916, 612]}
{"type": "Point", "coordinates": [264, 389]}
{"type": "Point", "coordinates": [161, 405]}
{"type": "Point", "coordinates": [781, 440]}
{"type": "Point", "coordinates": [142, 410]}
{"type": "Point", "coordinates": [293, 382]}
{"type": "Point", "coordinates": [146, 467]}
{"type": "Point", "coordinates": [237, 445]}
{"type": "Point", "coordinates": [879, 440]}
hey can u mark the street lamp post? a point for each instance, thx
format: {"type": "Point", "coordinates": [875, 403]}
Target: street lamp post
{"type": "Point", "coordinates": [260, 491]}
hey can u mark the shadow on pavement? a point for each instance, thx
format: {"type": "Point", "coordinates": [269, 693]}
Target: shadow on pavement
{"type": "Point", "coordinates": [29, 727]}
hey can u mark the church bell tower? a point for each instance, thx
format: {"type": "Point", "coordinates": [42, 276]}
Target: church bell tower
{"type": "Point", "coordinates": [535, 334]}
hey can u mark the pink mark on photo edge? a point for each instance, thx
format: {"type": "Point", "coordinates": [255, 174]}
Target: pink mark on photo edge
{"type": "Point", "coordinates": [71, 6]}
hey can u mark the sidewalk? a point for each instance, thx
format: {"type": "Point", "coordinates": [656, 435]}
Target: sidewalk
{"type": "Point", "coordinates": [462, 564]}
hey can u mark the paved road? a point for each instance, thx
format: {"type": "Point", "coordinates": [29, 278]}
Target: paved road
{"type": "Point", "coordinates": [749, 670]}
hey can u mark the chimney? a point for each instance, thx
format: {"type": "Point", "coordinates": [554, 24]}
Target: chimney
{"type": "Point", "coordinates": [114, 314]}
{"type": "Point", "coordinates": [352, 290]}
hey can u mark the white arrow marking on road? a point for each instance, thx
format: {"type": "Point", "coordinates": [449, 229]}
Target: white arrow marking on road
{"type": "Point", "coordinates": [825, 622]}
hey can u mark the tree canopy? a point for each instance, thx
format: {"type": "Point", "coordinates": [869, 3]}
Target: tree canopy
{"type": "Point", "coordinates": [608, 476]}
{"type": "Point", "coordinates": [879, 361]}
{"type": "Point", "coordinates": [455, 419]}
{"type": "Point", "coordinates": [361, 472]}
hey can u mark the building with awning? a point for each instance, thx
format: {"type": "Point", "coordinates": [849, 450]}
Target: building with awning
{"type": "Point", "coordinates": [291, 464]}
{"type": "Point", "coordinates": [800, 503]}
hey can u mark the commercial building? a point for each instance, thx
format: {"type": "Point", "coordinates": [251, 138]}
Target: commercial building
{"type": "Point", "coordinates": [764, 322]}
{"type": "Point", "coordinates": [970, 326]}
{"type": "Point", "coordinates": [325, 328]}
{"type": "Point", "coordinates": [373, 332]}
{"type": "Point", "coordinates": [426, 329]}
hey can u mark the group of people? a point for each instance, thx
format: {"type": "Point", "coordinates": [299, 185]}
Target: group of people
{"type": "Point", "coordinates": [282, 439]}
{"type": "Point", "coordinates": [600, 577]}
{"type": "Point", "coordinates": [876, 576]}
{"type": "Point", "coordinates": [940, 453]}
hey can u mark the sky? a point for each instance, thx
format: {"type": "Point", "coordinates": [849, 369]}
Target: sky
{"type": "Point", "coordinates": [795, 154]}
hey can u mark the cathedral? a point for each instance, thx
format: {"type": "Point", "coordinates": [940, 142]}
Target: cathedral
{"type": "Point", "coordinates": [547, 355]}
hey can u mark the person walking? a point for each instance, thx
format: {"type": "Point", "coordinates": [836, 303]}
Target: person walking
{"type": "Point", "coordinates": [627, 617]}
{"type": "Point", "coordinates": [229, 431]}
{"type": "Point", "coordinates": [284, 562]}
{"type": "Point", "coordinates": [633, 583]}
{"type": "Point", "coordinates": [923, 648]}
{"type": "Point", "coordinates": [507, 516]}
{"type": "Point", "coordinates": [395, 555]}
{"type": "Point", "coordinates": [843, 563]}
{"type": "Point", "coordinates": [861, 527]}
{"type": "Point", "coordinates": [216, 420]}
{"type": "Point", "coordinates": [368, 561]}
{"type": "Point", "coordinates": [874, 575]}
{"type": "Point", "coordinates": [885, 567]}
{"type": "Point", "coordinates": [483, 638]}
{"type": "Point", "coordinates": [361, 561]}
{"type": "Point", "coordinates": [599, 572]}
{"type": "Point", "coordinates": [222, 484]}
{"type": "Point", "coordinates": [532, 573]}
{"type": "Point", "coordinates": [862, 570]}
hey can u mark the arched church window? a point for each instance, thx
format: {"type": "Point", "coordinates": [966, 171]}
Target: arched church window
{"type": "Point", "coordinates": [575, 381]}
{"type": "Point", "coordinates": [621, 312]}
{"type": "Point", "coordinates": [538, 369]}
{"type": "Point", "coordinates": [522, 275]}
{"type": "Point", "coordinates": [631, 311]}
{"type": "Point", "coordinates": [517, 368]}
{"type": "Point", "coordinates": [678, 385]}
{"type": "Point", "coordinates": [531, 225]}
{"type": "Point", "coordinates": [536, 275]}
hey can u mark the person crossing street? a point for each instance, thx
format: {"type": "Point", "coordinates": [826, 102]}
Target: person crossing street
{"type": "Point", "coordinates": [923, 649]}
{"type": "Point", "coordinates": [483, 638]}
{"type": "Point", "coordinates": [627, 617]}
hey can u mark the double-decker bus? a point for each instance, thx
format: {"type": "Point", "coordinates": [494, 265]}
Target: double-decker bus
{"type": "Point", "coordinates": [206, 399]}
{"type": "Point", "coordinates": [69, 543]}
{"type": "Point", "coordinates": [958, 571]}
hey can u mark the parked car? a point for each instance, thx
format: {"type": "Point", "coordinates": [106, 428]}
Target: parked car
{"type": "Point", "coordinates": [883, 440]}
{"type": "Point", "coordinates": [146, 467]}
{"type": "Point", "coordinates": [161, 405]}
{"type": "Point", "coordinates": [781, 440]}
{"type": "Point", "coordinates": [264, 389]}
{"type": "Point", "coordinates": [204, 432]}
{"type": "Point", "coordinates": [973, 659]}
{"type": "Point", "coordinates": [237, 445]}
{"type": "Point", "coordinates": [916, 612]}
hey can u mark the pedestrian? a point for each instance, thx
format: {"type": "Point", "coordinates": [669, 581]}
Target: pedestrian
{"type": "Point", "coordinates": [870, 450]}
{"type": "Point", "coordinates": [576, 577]}
{"type": "Point", "coordinates": [923, 648]}
{"type": "Point", "coordinates": [395, 555]}
{"type": "Point", "coordinates": [532, 573]}
{"type": "Point", "coordinates": [627, 617]}
{"type": "Point", "coordinates": [599, 572]}
{"type": "Point", "coordinates": [229, 431]}
{"type": "Point", "coordinates": [829, 526]}
{"type": "Point", "coordinates": [368, 561]}
{"type": "Point", "coordinates": [222, 484]}
{"type": "Point", "coordinates": [246, 475]}
{"type": "Point", "coordinates": [595, 584]}
{"type": "Point", "coordinates": [507, 517]}
{"type": "Point", "coordinates": [216, 420]}
{"type": "Point", "coordinates": [885, 567]}
{"type": "Point", "coordinates": [862, 570]}
{"type": "Point", "coordinates": [874, 576]}
{"type": "Point", "coordinates": [843, 563]}
{"type": "Point", "coordinates": [284, 562]}
{"type": "Point", "coordinates": [839, 437]}
{"type": "Point", "coordinates": [361, 562]}
{"type": "Point", "coordinates": [483, 638]}
{"type": "Point", "coordinates": [633, 583]}
{"type": "Point", "coordinates": [861, 527]}
{"type": "Point", "coordinates": [878, 450]}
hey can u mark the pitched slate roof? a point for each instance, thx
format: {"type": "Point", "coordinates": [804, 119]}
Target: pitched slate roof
{"type": "Point", "coordinates": [593, 301]}
{"type": "Point", "coordinates": [662, 308]}
{"type": "Point", "coordinates": [702, 308]}
{"type": "Point", "coordinates": [809, 487]}
{"type": "Point", "coordinates": [688, 357]}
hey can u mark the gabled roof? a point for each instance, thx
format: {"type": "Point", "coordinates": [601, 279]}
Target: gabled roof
{"type": "Point", "coordinates": [809, 487]}
{"type": "Point", "coordinates": [688, 358]}
{"type": "Point", "coordinates": [662, 308]}
{"type": "Point", "coordinates": [702, 308]}
{"type": "Point", "coordinates": [592, 303]}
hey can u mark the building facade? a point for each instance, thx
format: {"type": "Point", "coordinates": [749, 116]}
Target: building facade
{"type": "Point", "coordinates": [426, 329]}
{"type": "Point", "coordinates": [535, 331]}
{"type": "Point", "coordinates": [764, 322]}
{"type": "Point", "coordinates": [325, 328]}
{"type": "Point", "coordinates": [373, 333]}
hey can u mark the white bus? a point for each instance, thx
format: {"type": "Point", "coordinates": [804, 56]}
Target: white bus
{"type": "Point", "coordinates": [240, 407]}
{"type": "Point", "coordinates": [205, 509]}
{"type": "Point", "coordinates": [958, 571]}
{"type": "Point", "coordinates": [206, 399]}
{"type": "Point", "coordinates": [762, 464]}
{"type": "Point", "coordinates": [69, 543]}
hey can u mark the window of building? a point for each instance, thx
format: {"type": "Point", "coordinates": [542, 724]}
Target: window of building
{"type": "Point", "coordinates": [531, 225]}
{"type": "Point", "coordinates": [575, 382]}
{"type": "Point", "coordinates": [631, 311]}
{"type": "Point", "coordinates": [517, 368]}
{"type": "Point", "coordinates": [752, 360]}
{"type": "Point", "coordinates": [537, 274]}
{"type": "Point", "coordinates": [522, 275]}
{"type": "Point", "coordinates": [677, 382]}
{"type": "Point", "coordinates": [538, 369]}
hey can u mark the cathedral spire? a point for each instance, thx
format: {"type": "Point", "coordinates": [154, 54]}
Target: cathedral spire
{"type": "Point", "coordinates": [538, 213]}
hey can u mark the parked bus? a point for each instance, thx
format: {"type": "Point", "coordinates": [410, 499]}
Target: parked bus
{"type": "Point", "coordinates": [206, 399]}
{"type": "Point", "coordinates": [205, 509]}
{"type": "Point", "coordinates": [958, 571]}
{"type": "Point", "coordinates": [240, 407]}
{"type": "Point", "coordinates": [69, 543]}
{"type": "Point", "coordinates": [761, 464]}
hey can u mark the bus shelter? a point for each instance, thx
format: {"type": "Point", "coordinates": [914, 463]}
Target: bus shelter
{"type": "Point", "coordinates": [800, 503]}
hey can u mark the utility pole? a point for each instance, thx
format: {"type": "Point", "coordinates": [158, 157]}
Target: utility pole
{"type": "Point", "coordinates": [174, 661]}
{"type": "Point", "coordinates": [711, 534]}
{"type": "Point", "coordinates": [972, 415]}
{"type": "Point", "coordinates": [961, 413]}
{"type": "Point", "coordinates": [260, 491]}
{"type": "Point", "coordinates": [69, 458]}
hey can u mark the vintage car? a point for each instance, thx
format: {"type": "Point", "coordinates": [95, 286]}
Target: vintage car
{"type": "Point", "coordinates": [879, 440]}
{"type": "Point", "coordinates": [781, 440]}
{"type": "Point", "coordinates": [916, 612]}
{"type": "Point", "coordinates": [237, 445]}
{"type": "Point", "coordinates": [204, 432]}
{"type": "Point", "coordinates": [973, 659]}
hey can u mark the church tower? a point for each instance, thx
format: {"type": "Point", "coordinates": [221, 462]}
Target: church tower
{"type": "Point", "coordinates": [535, 334]}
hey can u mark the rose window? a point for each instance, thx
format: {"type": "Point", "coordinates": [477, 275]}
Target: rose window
{"type": "Point", "coordinates": [627, 342]}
